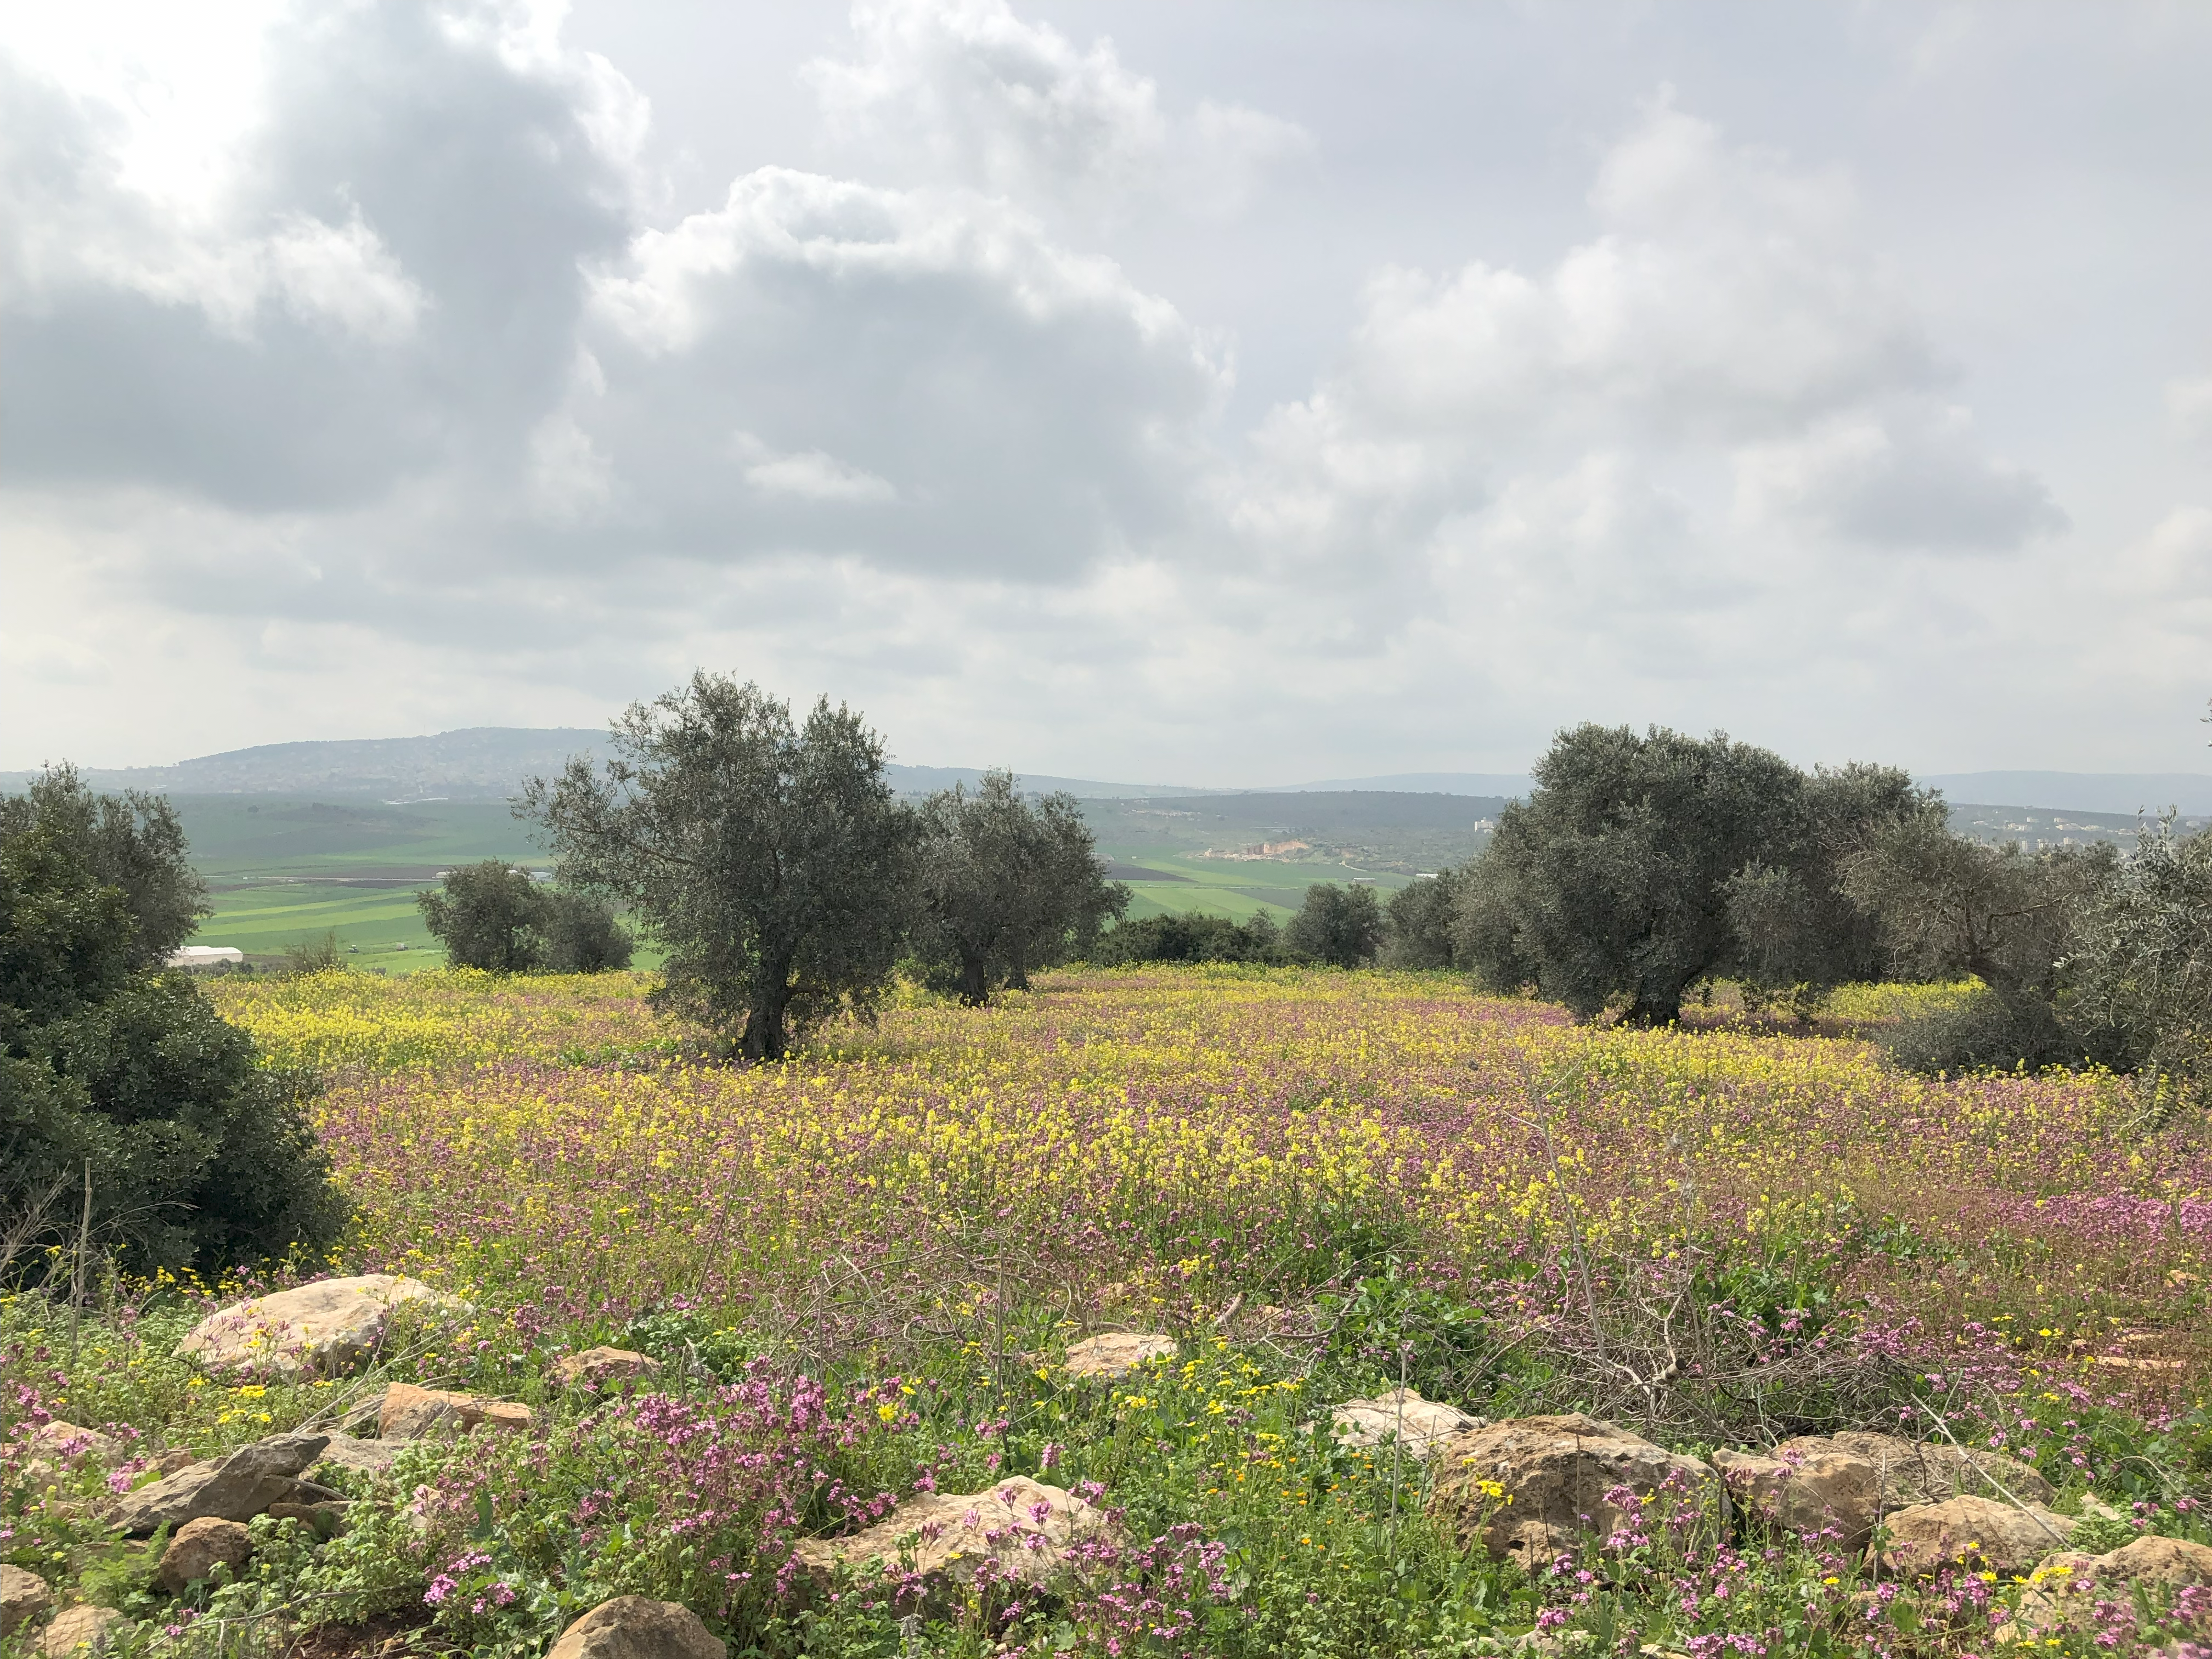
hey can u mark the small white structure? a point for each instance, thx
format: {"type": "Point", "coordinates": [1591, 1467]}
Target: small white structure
{"type": "Point", "coordinates": [204, 956]}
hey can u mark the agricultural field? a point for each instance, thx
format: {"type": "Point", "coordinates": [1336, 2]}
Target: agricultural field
{"type": "Point", "coordinates": [281, 871]}
{"type": "Point", "coordinates": [867, 1276]}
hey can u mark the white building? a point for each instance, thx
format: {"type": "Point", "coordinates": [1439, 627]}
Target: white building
{"type": "Point", "coordinates": [204, 956]}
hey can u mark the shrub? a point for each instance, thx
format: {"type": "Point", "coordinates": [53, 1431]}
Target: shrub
{"type": "Point", "coordinates": [1341, 926]}
{"type": "Point", "coordinates": [124, 1078]}
{"type": "Point", "coordinates": [580, 935]}
{"type": "Point", "coordinates": [1189, 938]}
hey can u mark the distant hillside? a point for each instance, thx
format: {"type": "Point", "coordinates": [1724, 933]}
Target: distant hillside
{"type": "Point", "coordinates": [490, 763]}
{"type": "Point", "coordinates": [483, 762]}
{"type": "Point", "coordinates": [2082, 792]}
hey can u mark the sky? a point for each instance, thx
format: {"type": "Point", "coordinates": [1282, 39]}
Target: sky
{"type": "Point", "coordinates": [1228, 392]}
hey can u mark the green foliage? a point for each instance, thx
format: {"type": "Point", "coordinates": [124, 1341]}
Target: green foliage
{"type": "Point", "coordinates": [1341, 927]}
{"type": "Point", "coordinates": [487, 917]}
{"type": "Point", "coordinates": [578, 934]}
{"type": "Point", "coordinates": [2141, 957]}
{"type": "Point", "coordinates": [132, 843]}
{"type": "Point", "coordinates": [318, 954]}
{"type": "Point", "coordinates": [1948, 907]}
{"type": "Point", "coordinates": [1642, 864]}
{"type": "Point", "coordinates": [1006, 885]}
{"type": "Point", "coordinates": [771, 860]}
{"type": "Point", "coordinates": [1389, 1329]}
{"type": "Point", "coordinates": [1189, 937]}
{"type": "Point", "coordinates": [116, 1074]}
{"type": "Point", "coordinates": [1418, 924]}
{"type": "Point", "coordinates": [496, 917]}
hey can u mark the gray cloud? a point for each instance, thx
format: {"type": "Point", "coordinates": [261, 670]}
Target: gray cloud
{"type": "Point", "coordinates": [432, 372]}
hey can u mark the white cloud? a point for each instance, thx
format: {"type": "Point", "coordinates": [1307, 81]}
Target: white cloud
{"type": "Point", "coordinates": [2188, 402]}
{"type": "Point", "coordinates": [2175, 560]}
{"type": "Point", "coordinates": [1907, 480]}
{"type": "Point", "coordinates": [809, 474]}
{"type": "Point", "coordinates": [931, 383]}
{"type": "Point", "coordinates": [1729, 296]}
{"type": "Point", "coordinates": [412, 363]}
{"type": "Point", "coordinates": [978, 95]}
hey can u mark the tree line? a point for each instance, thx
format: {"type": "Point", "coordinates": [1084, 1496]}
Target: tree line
{"type": "Point", "coordinates": [1642, 866]}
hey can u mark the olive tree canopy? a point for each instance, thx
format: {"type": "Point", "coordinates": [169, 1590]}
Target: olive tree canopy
{"type": "Point", "coordinates": [771, 861]}
{"type": "Point", "coordinates": [1640, 864]}
{"type": "Point", "coordinates": [1007, 885]}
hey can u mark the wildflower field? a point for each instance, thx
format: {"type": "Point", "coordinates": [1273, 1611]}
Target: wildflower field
{"type": "Point", "coordinates": [861, 1269]}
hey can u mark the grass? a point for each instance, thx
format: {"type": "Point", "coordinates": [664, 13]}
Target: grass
{"type": "Point", "coordinates": [860, 1270]}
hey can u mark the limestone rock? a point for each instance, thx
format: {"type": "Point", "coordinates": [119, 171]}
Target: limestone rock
{"type": "Point", "coordinates": [1555, 1470]}
{"type": "Point", "coordinates": [408, 1412]}
{"type": "Point", "coordinates": [1922, 1472]}
{"type": "Point", "coordinates": [2067, 1584]}
{"type": "Point", "coordinates": [23, 1597]}
{"type": "Point", "coordinates": [369, 1456]}
{"type": "Point", "coordinates": [79, 1628]}
{"type": "Point", "coordinates": [63, 1441]}
{"type": "Point", "coordinates": [197, 1547]}
{"type": "Point", "coordinates": [1984, 1534]}
{"type": "Point", "coordinates": [637, 1627]}
{"type": "Point", "coordinates": [1419, 1425]}
{"type": "Point", "coordinates": [1806, 1487]}
{"type": "Point", "coordinates": [597, 1366]}
{"type": "Point", "coordinates": [234, 1488]}
{"type": "Point", "coordinates": [177, 1457]}
{"type": "Point", "coordinates": [329, 1326]}
{"type": "Point", "coordinates": [1116, 1353]}
{"type": "Point", "coordinates": [1031, 1529]}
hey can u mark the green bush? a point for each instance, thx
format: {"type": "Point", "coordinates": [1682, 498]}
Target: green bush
{"type": "Point", "coordinates": [122, 1078]}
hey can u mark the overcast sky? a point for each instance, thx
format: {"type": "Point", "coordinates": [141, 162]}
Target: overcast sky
{"type": "Point", "coordinates": [1218, 393]}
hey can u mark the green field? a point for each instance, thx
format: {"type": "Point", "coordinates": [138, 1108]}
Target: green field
{"type": "Point", "coordinates": [282, 871]}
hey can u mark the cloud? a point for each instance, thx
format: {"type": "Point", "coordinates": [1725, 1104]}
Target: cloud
{"type": "Point", "coordinates": [2175, 560]}
{"type": "Point", "coordinates": [1728, 296]}
{"type": "Point", "coordinates": [977, 95]}
{"type": "Point", "coordinates": [923, 380]}
{"type": "Point", "coordinates": [1728, 317]}
{"type": "Point", "coordinates": [379, 276]}
{"type": "Point", "coordinates": [414, 364]}
{"type": "Point", "coordinates": [1908, 480]}
{"type": "Point", "coordinates": [809, 474]}
{"type": "Point", "coordinates": [2188, 402]}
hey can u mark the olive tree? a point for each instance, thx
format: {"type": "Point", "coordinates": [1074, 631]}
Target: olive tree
{"type": "Point", "coordinates": [769, 859]}
{"type": "Point", "coordinates": [487, 915]}
{"type": "Point", "coordinates": [1948, 906]}
{"type": "Point", "coordinates": [1640, 864]}
{"type": "Point", "coordinates": [2142, 961]}
{"type": "Point", "coordinates": [1417, 922]}
{"type": "Point", "coordinates": [1006, 885]}
{"type": "Point", "coordinates": [1341, 926]}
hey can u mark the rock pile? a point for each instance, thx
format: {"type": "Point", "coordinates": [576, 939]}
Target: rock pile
{"type": "Point", "coordinates": [199, 1547]}
{"type": "Point", "coordinates": [2066, 1586]}
{"type": "Point", "coordinates": [23, 1597]}
{"type": "Point", "coordinates": [407, 1413]}
{"type": "Point", "coordinates": [595, 1368]}
{"type": "Point", "coordinates": [637, 1627]}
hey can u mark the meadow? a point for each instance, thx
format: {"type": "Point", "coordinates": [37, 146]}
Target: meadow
{"type": "Point", "coordinates": [859, 1268]}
